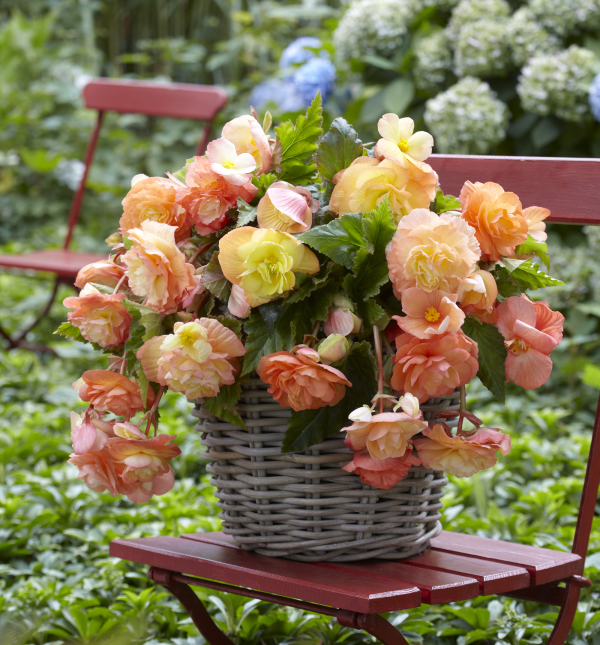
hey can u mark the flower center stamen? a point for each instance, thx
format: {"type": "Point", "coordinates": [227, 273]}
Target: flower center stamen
{"type": "Point", "coordinates": [187, 337]}
{"type": "Point", "coordinates": [432, 314]}
{"type": "Point", "coordinates": [229, 165]}
{"type": "Point", "coordinates": [404, 145]}
{"type": "Point", "coordinates": [517, 346]}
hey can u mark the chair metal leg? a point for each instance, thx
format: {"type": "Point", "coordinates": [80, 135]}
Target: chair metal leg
{"type": "Point", "coordinates": [372, 624]}
{"type": "Point", "coordinates": [194, 607]}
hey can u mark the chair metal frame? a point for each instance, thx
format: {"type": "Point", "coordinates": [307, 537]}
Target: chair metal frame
{"type": "Point", "coordinates": [174, 100]}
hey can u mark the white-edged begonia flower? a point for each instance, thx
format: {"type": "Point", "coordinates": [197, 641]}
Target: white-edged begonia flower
{"type": "Point", "coordinates": [225, 161]}
{"type": "Point", "coordinates": [400, 143]}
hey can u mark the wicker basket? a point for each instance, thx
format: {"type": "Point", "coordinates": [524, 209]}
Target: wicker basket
{"type": "Point", "coordinates": [302, 505]}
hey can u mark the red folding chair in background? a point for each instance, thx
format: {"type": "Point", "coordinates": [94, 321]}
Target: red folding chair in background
{"type": "Point", "coordinates": [174, 100]}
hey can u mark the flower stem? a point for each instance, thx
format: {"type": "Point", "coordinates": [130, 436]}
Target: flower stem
{"type": "Point", "coordinates": [199, 251]}
{"type": "Point", "coordinates": [123, 278]}
{"type": "Point", "coordinates": [379, 356]}
{"type": "Point", "coordinates": [152, 411]}
{"type": "Point", "coordinates": [462, 408]}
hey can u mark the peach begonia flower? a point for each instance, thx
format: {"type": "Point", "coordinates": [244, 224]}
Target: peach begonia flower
{"type": "Point", "coordinates": [536, 227]}
{"type": "Point", "coordinates": [477, 294]}
{"type": "Point", "coordinates": [100, 472]}
{"type": "Point", "coordinates": [100, 318]}
{"type": "Point", "coordinates": [264, 262]}
{"type": "Point", "coordinates": [341, 318]}
{"type": "Point", "coordinates": [286, 208]}
{"type": "Point", "coordinates": [194, 360]}
{"type": "Point", "coordinates": [496, 216]}
{"type": "Point", "coordinates": [157, 269]}
{"type": "Point", "coordinates": [297, 379]}
{"type": "Point", "coordinates": [225, 161]}
{"type": "Point", "coordinates": [531, 331]}
{"type": "Point", "coordinates": [367, 181]}
{"type": "Point", "coordinates": [89, 431]}
{"type": "Point", "coordinates": [431, 252]}
{"type": "Point", "coordinates": [399, 144]}
{"type": "Point", "coordinates": [105, 272]}
{"type": "Point", "coordinates": [431, 368]}
{"type": "Point", "coordinates": [429, 314]}
{"type": "Point", "coordinates": [237, 303]}
{"type": "Point", "coordinates": [385, 435]}
{"type": "Point", "coordinates": [381, 473]}
{"type": "Point", "coordinates": [207, 196]}
{"type": "Point", "coordinates": [153, 198]}
{"type": "Point", "coordinates": [111, 391]}
{"type": "Point", "coordinates": [461, 456]}
{"type": "Point", "coordinates": [247, 135]}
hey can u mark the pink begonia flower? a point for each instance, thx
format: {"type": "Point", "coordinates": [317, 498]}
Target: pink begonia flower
{"type": "Point", "coordinates": [461, 456]}
{"type": "Point", "coordinates": [100, 318]}
{"type": "Point", "coordinates": [100, 472]}
{"type": "Point", "coordinates": [105, 272]}
{"type": "Point", "coordinates": [157, 269]}
{"type": "Point", "coordinates": [225, 161]}
{"type": "Point", "coordinates": [535, 216]}
{"type": "Point", "coordinates": [400, 144]}
{"type": "Point", "coordinates": [531, 331]}
{"type": "Point", "coordinates": [381, 473]}
{"type": "Point", "coordinates": [432, 368]}
{"type": "Point", "coordinates": [141, 492]}
{"type": "Point", "coordinates": [112, 391]}
{"type": "Point", "coordinates": [247, 135]}
{"type": "Point", "coordinates": [341, 318]}
{"type": "Point", "coordinates": [431, 252]}
{"type": "Point", "coordinates": [286, 208]}
{"type": "Point", "coordinates": [194, 360]}
{"type": "Point", "coordinates": [297, 379]}
{"type": "Point", "coordinates": [385, 435]}
{"type": "Point", "coordinates": [207, 196]}
{"type": "Point", "coordinates": [237, 305]}
{"type": "Point", "coordinates": [477, 293]}
{"type": "Point", "coordinates": [90, 431]}
{"type": "Point", "coordinates": [429, 314]}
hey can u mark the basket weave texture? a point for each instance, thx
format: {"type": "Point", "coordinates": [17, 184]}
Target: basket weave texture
{"type": "Point", "coordinates": [302, 505]}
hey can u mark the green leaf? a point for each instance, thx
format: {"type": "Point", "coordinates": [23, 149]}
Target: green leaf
{"type": "Point", "coordinates": [262, 182]}
{"type": "Point", "coordinates": [338, 149]}
{"type": "Point", "coordinates": [143, 383]}
{"type": "Point", "coordinates": [309, 427]}
{"type": "Point", "coordinates": [339, 240]}
{"type": "Point", "coordinates": [533, 247]}
{"type": "Point", "coordinates": [214, 280]}
{"type": "Point", "coordinates": [306, 283]}
{"type": "Point", "coordinates": [298, 143]}
{"type": "Point", "coordinates": [445, 203]}
{"type": "Point", "coordinates": [247, 213]}
{"type": "Point", "coordinates": [152, 322]}
{"type": "Point", "coordinates": [132, 344]}
{"type": "Point", "coordinates": [398, 95]}
{"type": "Point", "coordinates": [591, 375]}
{"type": "Point", "coordinates": [223, 405]}
{"type": "Point", "coordinates": [492, 355]}
{"type": "Point", "coordinates": [70, 331]}
{"type": "Point", "coordinates": [506, 286]}
{"type": "Point", "coordinates": [231, 323]}
{"type": "Point", "coordinates": [182, 172]}
{"type": "Point", "coordinates": [529, 276]}
{"type": "Point", "coordinates": [370, 269]}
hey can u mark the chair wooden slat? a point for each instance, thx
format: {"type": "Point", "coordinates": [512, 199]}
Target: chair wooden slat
{"type": "Point", "coordinates": [177, 100]}
{"type": "Point", "coordinates": [62, 262]}
{"type": "Point", "coordinates": [273, 575]}
{"type": "Point", "coordinates": [543, 565]}
{"type": "Point", "coordinates": [570, 188]}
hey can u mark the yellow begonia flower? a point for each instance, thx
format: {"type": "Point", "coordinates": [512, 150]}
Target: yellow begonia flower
{"type": "Point", "coordinates": [367, 181]}
{"type": "Point", "coordinates": [264, 262]}
{"type": "Point", "coordinates": [400, 144]}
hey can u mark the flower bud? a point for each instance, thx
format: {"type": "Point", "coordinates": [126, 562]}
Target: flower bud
{"type": "Point", "coordinates": [363, 414]}
{"type": "Point", "coordinates": [339, 321]}
{"type": "Point", "coordinates": [410, 405]}
{"type": "Point", "coordinates": [343, 303]}
{"type": "Point", "coordinates": [333, 348]}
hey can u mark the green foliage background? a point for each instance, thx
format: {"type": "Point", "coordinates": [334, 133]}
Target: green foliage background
{"type": "Point", "coordinates": [57, 582]}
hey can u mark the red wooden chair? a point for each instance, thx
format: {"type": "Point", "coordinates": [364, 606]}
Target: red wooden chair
{"type": "Point", "coordinates": [457, 566]}
{"type": "Point", "coordinates": [175, 100]}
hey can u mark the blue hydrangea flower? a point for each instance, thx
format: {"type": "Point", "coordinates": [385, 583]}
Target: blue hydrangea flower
{"type": "Point", "coordinates": [317, 74]}
{"type": "Point", "coordinates": [281, 93]}
{"type": "Point", "coordinates": [296, 52]}
{"type": "Point", "coordinates": [595, 97]}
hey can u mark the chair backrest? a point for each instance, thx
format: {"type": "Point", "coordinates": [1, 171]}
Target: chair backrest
{"type": "Point", "coordinates": [175, 100]}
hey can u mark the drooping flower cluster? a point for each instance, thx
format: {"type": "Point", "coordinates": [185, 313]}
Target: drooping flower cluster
{"type": "Point", "coordinates": [242, 264]}
{"type": "Point", "coordinates": [432, 61]}
{"type": "Point", "coordinates": [482, 48]}
{"type": "Point", "coordinates": [528, 38]}
{"type": "Point", "coordinates": [467, 12]}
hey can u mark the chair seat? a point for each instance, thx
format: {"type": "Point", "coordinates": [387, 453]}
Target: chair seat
{"type": "Point", "coordinates": [457, 567]}
{"type": "Point", "coordinates": [63, 262]}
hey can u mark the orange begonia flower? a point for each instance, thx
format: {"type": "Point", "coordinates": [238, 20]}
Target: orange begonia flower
{"type": "Point", "coordinates": [381, 473]}
{"type": "Point", "coordinates": [429, 314]}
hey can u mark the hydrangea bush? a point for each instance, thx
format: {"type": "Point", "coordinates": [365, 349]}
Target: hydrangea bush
{"type": "Point", "coordinates": [339, 274]}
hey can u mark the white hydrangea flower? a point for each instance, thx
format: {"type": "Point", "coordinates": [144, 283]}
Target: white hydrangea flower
{"type": "Point", "coordinates": [373, 27]}
{"type": "Point", "coordinates": [558, 84]}
{"type": "Point", "coordinates": [482, 49]}
{"type": "Point", "coordinates": [468, 11]}
{"type": "Point", "coordinates": [527, 37]}
{"type": "Point", "coordinates": [432, 61]}
{"type": "Point", "coordinates": [467, 118]}
{"type": "Point", "coordinates": [565, 17]}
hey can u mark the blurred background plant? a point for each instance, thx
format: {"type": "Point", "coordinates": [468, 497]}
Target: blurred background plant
{"type": "Point", "coordinates": [462, 69]}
